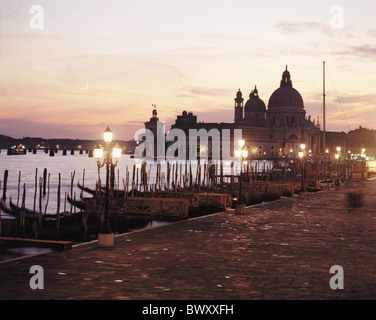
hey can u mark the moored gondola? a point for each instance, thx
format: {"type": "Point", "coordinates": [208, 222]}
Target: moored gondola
{"type": "Point", "coordinates": [80, 204]}
{"type": "Point", "coordinates": [16, 212]}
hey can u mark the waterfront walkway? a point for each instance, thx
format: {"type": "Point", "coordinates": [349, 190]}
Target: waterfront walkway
{"type": "Point", "coordinates": [280, 250]}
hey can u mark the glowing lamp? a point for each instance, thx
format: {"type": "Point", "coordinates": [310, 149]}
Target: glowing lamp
{"type": "Point", "coordinates": [98, 152]}
{"type": "Point", "coordinates": [107, 135]}
{"type": "Point", "coordinates": [116, 152]}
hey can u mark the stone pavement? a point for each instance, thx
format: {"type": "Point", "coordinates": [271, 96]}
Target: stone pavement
{"type": "Point", "coordinates": [280, 250]}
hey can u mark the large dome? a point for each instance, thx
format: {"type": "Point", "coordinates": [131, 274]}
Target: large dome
{"type": "Point", "coordinates": [254, 104]}
{"type": "Point", "coordinates": [286, 95]}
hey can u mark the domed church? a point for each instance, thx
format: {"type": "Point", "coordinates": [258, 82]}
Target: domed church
{"type": "Point", "coordinates": [279, 129]}
{"type": "Point", "coordinates": [271, 132]}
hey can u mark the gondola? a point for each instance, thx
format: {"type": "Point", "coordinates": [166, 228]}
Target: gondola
{"type": "Point", "coordinates": [116, 193]}
{"type": "Point", "coordinates": [80, 204]}
{"type": "Point", "coordinates": [29, 213]}
{"type": "Point", "coordinates": [88, 190]}
{"type": "Point", "coordinates": [16, 212]}
{"type": "Point", "coordinates": [71, 226]}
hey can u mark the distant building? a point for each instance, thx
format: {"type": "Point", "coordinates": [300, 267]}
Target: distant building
{"type": "Point", "coordinates": [270, 132]}
{"type": "Point", "coordinates": [362, 138]}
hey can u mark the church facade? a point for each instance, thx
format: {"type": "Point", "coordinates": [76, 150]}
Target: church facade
{"type": "Point", "coordinates": [279, 129]}
{"type": "Point", "coordinates": [270, 132]}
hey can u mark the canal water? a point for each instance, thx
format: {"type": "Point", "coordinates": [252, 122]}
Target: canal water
{"type": "Point", "coordinates": [22, 169]}
{"type": "Point", "coordinates": [26, 167]}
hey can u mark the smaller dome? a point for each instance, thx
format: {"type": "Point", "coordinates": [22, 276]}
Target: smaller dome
{"type": "Point", "coordinates": [255, 104]}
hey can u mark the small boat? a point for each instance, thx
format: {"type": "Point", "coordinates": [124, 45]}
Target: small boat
{"type": "Point", "coordinates": [16, 150]}
{"type": "Point", "coordinates": [88, 190]}
{"type": "Point", "coordinates": [16, 212]}
{"type": "Point", "coordinates": [80, 204]}
{"type": "Point", "coordinates": [115, 193]}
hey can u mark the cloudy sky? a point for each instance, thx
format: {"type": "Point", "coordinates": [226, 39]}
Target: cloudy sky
{"type": "Point", "coordinates": [105, 62]}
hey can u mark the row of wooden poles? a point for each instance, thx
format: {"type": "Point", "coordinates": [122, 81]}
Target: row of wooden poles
{"type": "Point", "coordinates": [43, 185]}
{"type": "Point", "coordinates": [178, 177]}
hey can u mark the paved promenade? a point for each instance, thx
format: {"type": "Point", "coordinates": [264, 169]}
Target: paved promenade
{"type": "Point", "coordinates": [280, 250]}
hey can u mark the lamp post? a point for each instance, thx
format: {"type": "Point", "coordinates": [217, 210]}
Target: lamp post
{"type": "Point", "coordinates": [349, 164]}
{"type": "Point", "coordinates": [301, 156]}
{"type": "Point", "coordinates": [291, 161]}
{"type": "Point", "coordinates": [328, 153]}
{"type": "Point", "coordinates": [338, 157]}
{"type": "Point", "coordinates": [363, 157]}
{"type": "Point", "coordinates": [240, 208]}
{"type": "Point", "coordinates": [363, 154]}
{"type": "Point", "coordinates": [105, 236]}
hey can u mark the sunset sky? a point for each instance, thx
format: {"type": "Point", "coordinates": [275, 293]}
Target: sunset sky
{"type": "Point", "coordinates": [105, 62]}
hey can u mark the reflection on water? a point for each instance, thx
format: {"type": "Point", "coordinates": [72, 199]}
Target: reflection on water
{"type": "Point", "coordinates": [154, 223]}
{"type": "Point", "coordinates": [23, 170]}
{"type": "Point", "coordinates": [12, 253]}
{"type": "Point", "coordinates": [84, 170]}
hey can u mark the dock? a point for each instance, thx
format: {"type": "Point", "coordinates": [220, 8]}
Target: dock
{"type": "Point", "coordinates": [278, 250]}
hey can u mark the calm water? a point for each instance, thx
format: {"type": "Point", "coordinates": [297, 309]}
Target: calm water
{"type": "Point", "coordinates": [78, 164]}
{"type": "Point", "coordinates": [29, 163]}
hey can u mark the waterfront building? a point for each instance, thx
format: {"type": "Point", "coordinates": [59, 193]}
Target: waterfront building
{"type": "Point", "coordinates": [272, 131]}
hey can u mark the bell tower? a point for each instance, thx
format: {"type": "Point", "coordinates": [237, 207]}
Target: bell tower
{"type": "Point", "coordinates": [239, 107]}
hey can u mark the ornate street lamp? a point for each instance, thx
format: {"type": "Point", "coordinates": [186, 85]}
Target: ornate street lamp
{"type": "Point", "coordinates": [328, 153]}
{"type": "Point", "coordinates": [338, 157]}
{"type": "Point", "coordinates": [349, 164]}
{"type": "Point", "coordinates": [301, 156]}
{"type": "Point", "coordinates": [105, 236]}
{"type": "Point", "coordinates": [241, 154]}
{"type": "Point", "coordinates": [363, 154]}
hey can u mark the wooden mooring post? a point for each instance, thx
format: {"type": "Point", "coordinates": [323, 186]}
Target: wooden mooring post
{"type": "Point", "coordinates": [5, 184]}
